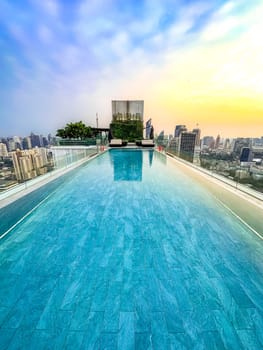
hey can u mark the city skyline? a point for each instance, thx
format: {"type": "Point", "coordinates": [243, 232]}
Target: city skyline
{"type": "Point", "coordinates": [192, 62]}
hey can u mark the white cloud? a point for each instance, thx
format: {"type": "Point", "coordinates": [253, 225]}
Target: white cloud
{"type": "Point", "coordinates": [229, 18]}
{"type": "Point", "coordinates": [195, 10]}
{"type": "Point", "coordinates": [227, 8]}
{"type": "Point", "coordinates": [220, 29]}
{"type": "Point", "coordinates": [179, 29]}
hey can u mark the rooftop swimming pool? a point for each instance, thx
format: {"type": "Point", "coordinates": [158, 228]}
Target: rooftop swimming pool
{"type": "Point", "coordinates": [131, 253]}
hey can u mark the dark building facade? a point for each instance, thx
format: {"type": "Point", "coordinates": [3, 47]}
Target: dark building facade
{"type": "Point", "coordinates": [179, 129]}
{"type": "Point", "coordinates": [246, 155]}
{"type": "Point", "coordinates": [35, 140]}
{"type": "Point", "coordinates": [187, 146]}
{"type": "Point", "coordinates": [239, 144]}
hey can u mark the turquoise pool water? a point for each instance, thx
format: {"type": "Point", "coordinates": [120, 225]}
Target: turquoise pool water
{"type": "Point", "coordinates": [130, 253]}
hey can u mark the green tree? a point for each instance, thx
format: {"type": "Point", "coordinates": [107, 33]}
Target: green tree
{"type": "Point", "coordinates": [76, 130]}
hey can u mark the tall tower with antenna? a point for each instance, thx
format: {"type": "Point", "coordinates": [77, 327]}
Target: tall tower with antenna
{"type": "Point", "coordinates": [97, 121]}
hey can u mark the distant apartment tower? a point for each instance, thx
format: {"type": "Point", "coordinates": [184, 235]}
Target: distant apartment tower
{"type": "Point", "coordinates": [35, 140]}
{"type": "Point", "coordinates": [217, 142]}
{"type": "Point", "coordinates": [208, 142]}
{"type": "Point", "coordinates": [3, 150]}
{"type": "Point", "coordinates": [161, 136]}
{"type": "Point", "coordinates": [198, 135]}
{"type": "Point", "coordinates": [179, 129]}
{"type": "Point", "coordinates": [26, 143]}
{"type": "Point", "coordinates": [239, 143]}
{"type": "Point", "coordinates": [148, 129]}
{"type": "Point", "coordinates": [29, 163]}
{"type": "Point", "coordinates": [127, 110]}
{"type": "Point", "coordinates": [227, 144]}
{"type": "Point", "coordinates": [187, 146]}
{"type": "Point", "coordinates": [11, 145]}
{"type": "Point", "coordinates": [246, 155]}
{"type": "Point", "coordinates": [23, 165]}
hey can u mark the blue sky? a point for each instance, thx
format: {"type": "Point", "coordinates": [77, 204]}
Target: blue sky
{"type": "Point", "coordinates": [66, 60]}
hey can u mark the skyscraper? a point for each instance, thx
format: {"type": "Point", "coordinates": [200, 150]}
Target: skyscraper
{"type": "Point", "coordinates": [29, 163]}
{"type": "Point", "coordinates": [179, 129]}
{"type": "Point", "coordinates": [35, 140]}
{"type": "Point", "coordinates": [208, 142]}
{"type": "Point", "coordinates": [187, 146]}
{"type": "Point", "coordinates": [246, 155]}
{"type": "Point", "coordinates": [217, 143]}
{"type": "Point", "coordinates": [3, 150]}
{"type": "Point", "coordinates": [148, 128]}
{"type": "Point", "coordinates": [198, 134]}
{"type": "Point", "coordinates": [26, 143]}
{"type": "Point", "coordinates": [239, 143]}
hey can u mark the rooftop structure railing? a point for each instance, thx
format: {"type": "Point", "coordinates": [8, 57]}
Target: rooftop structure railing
{"type": "Point", "coordinates": [231, 172]}
{"type": "Point", "coordinates": [64, 159]}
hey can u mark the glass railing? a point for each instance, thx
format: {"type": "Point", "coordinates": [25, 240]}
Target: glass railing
{"type": "Point", "coordinates": [85, 142]}
{"type": "Point", "coordinates": [248, 179]}
{"type": "Point", "coordinates": [62, 159]}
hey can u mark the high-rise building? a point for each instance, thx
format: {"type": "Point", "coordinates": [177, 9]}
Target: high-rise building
{"type": "Point", "coordinates": [161, 136]}
{"type": "Point", "coordinates": [23, 165]}
{"type": "Point", "coordinates": [11, 145]}
{"type": "Point", "coordinates": [35, 140]}
{"type": "Point", "coordinates": [173, 144]}
{"type": "Point", "coordinates": [197, 131]}
{"type": "Point", "coordinates": [239, 143]}
{"type": "Point", "coordinates": [29, 163]}
{"type": "Point", "coordinates": [45, 141]}
{"type": "Point", "coordinates": [148, 128]}
{"type": "Point", "coordinates": [257, 152]}
{"type": "Point", "coordinates": [208, 142]}
{"type": "Point", "coordinates": [246, 155]}
{"type": "Point", "coordinates": [26, 143]}
{"type": "Point", "coordinates": [227, 144]}
{"type": "Point", "coordinates": [17, 141]}
{"type": "Point", "coordinates": [3, 150]}
{"type": "Point", "coordinates": [187, 145]}
{"type": "Point", "coordinates": [217, 143]}
{"type": "Point", "coordinates": [179, 129]}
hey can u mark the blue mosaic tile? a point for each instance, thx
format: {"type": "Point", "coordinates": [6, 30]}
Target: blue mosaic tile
{"type": "Point", "coordinates": [114, 263]}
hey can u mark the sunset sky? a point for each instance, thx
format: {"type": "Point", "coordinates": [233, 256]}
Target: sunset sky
{"type": "Point", "coordinates": [192, 62]}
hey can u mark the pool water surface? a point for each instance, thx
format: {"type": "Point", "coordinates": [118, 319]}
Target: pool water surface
{"type": "Point", "coordinates": [130, 253]}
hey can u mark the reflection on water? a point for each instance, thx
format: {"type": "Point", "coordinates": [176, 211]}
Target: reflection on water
{"type": "Point", "coordinates": [128, 164]}
{"type": "Point", "coordinates": [161, 157]}
{"type": "Point", "coordinates": [150, 157]}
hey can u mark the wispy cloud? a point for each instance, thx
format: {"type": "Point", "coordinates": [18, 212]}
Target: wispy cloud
{"type": "Point", "coordinates": [73, 56]}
